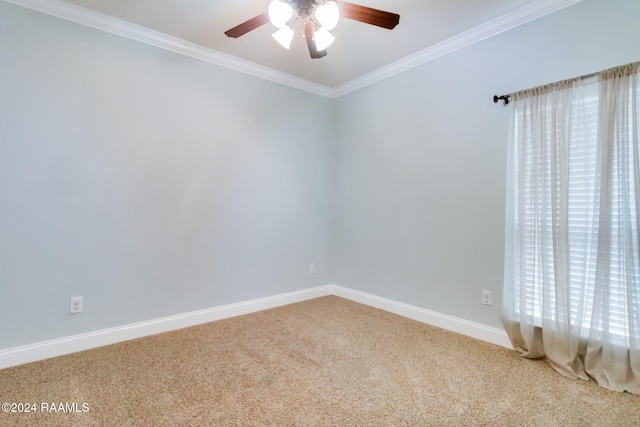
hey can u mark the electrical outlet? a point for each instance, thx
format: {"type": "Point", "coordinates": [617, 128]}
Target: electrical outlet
{"type": "Point", "coordinates": [76, 305]}
{"type": "Point", "coordinates": [486, 297]}
{"type": "Point", "coordinates": [312, 269]}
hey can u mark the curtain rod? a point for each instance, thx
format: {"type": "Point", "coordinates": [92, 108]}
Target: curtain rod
{"type": "Point", "coordinates": [505, 98]}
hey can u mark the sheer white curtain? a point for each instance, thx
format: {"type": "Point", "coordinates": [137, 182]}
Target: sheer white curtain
{"type": "Point", "coordinates": [572, 273]}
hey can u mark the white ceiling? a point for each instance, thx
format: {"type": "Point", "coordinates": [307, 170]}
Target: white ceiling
{"type": "Point", "coordinates": [428, 28]}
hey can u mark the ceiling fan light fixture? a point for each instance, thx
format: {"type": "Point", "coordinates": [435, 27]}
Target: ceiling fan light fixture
{"type": "Point", "coordinates": [279, 13]}
{"type": "Point", "coordinates": [328, 14]}
{"type": "Point", "coordinates": [323, 38]}
{"type": "Point", "coordinates": [284, 35]}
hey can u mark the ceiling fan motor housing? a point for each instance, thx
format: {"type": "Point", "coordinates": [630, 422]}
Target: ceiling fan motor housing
{"type": "Point", "coordinates": [305, 8]}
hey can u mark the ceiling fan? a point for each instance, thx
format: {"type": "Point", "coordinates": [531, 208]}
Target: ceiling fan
{"type": "Point", "coordinates": [317, 16]}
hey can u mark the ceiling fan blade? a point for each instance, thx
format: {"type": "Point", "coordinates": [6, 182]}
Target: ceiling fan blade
{"type": "Point", "coordinates": [369, 15]}
{"type": "Point", "coordinates": [245, 27]}
{"type": "Point", "coordinates": [308, 34]}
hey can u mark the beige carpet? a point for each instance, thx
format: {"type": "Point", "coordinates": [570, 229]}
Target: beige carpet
{"type": "Point", "coordinates": [322, 362]}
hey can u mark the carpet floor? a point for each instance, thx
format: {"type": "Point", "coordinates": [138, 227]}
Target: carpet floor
{"type": "Point", "coordinates": [323, 362]}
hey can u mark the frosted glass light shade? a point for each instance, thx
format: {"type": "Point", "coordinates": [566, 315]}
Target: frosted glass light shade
{"type": "Point", "coordinates": [328, 15]}
{"type": "Point", "coordinates": [284, 36]}
{"type": "Point", "coordinates": [279, 13]}
{"type": "Point", "coordinates": [323, 38]}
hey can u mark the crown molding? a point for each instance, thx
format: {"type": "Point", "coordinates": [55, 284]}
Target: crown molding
{"type": "Point", "coordinates": [93, 19]}
{"type": "Point", "coordinates": [109, 24]}
{"type": "Point", "coordinates": [508, 21]}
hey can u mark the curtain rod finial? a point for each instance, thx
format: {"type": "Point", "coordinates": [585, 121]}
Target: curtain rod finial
{"type": "Point", "coordinates": [504, 98]}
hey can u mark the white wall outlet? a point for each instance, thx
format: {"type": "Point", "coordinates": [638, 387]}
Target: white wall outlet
{"type": "Point", "coordinates": [312, 269]}
{"type": "Point", "coordinates": [76, 305]}
{"type": "Point", "coordinates": [486, 297]}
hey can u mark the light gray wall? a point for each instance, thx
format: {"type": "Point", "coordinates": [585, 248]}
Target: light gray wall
{"type": "Point", "coordinates": [422, 159]}
{"type": "Point", "coordinates": [150, 183]}
{"type": "Point", "coordinates": [154, 184]}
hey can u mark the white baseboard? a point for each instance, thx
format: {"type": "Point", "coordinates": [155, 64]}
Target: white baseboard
{"type": "Point", "coordinates": [58, 347]}
{"type": "Point", "coordinates": [444, 321]}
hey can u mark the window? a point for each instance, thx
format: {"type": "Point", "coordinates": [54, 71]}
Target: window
{"type": "Point", "coordinates": [572, 262]}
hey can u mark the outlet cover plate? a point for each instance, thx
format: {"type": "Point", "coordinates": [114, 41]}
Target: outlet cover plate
{"type": "Point", "coordinates": [76, 305]}
{"type": "Point", "coordinates": [486, 297]}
